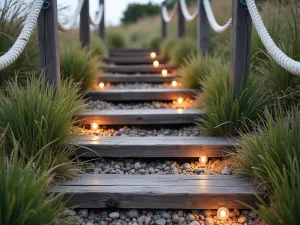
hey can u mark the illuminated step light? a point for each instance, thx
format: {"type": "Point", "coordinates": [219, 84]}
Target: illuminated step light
{"type": "Point", "coordinates": [203, 159]}
{"type": "Point", "coordinates": [180, 100]}
{"type": "Point", "coordinates": [153, 55]}
{"type": "Point", "coordinates": [223, 213]}
{"type": "Point", "coordinates": [94, 126]}
{"type": "Point", "coordinates": [155, 63]}
{"type": "Point", "coordinates": [174, 83]}
{"type": "Point", "coordinates": [164, 72]}
{"type": "Point", "coordinates": [101, 85]}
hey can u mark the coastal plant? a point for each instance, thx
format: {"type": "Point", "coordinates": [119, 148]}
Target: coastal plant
{"type": "Point", "coordinates": [115, 40]}
{"type": "Point", "coordinates": [167, 46]}
{"type": "Point", "coordinates": [182, 50]}
{"type": "Point", "coordinates": [98, 47]}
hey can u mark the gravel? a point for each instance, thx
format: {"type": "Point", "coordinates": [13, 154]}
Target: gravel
{"type": "Point", "coordinates": [140, 85]}
{"type": "Point", "coordinates": [134, 166]}
{"type": "Point", "coordinates": [100, 105]}
{"type": "Point", "coordinates": [159, 217]}
{"type": "Point", "coordinates": [140, 131]}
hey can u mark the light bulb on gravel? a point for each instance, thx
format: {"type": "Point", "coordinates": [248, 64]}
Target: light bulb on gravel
{"type": "Point", "coordinates": [153, 55]}
{"type": "Point", "coordinates": [203, 159]}
{"type": "Point", "coordinates": [155, 63]}
{"type": "Point", "coordinates": [164, 72]}
{"type": "Point", "coordinates": [174, 83]}
{"type": "Point", "coordinates": [94, 126]}
{"type": "Point", "coordinates": [101, 85]}
{"type": "Point", "coordinates": [180, 100]}
{"type": "Point", "coordinates": [223, 213]}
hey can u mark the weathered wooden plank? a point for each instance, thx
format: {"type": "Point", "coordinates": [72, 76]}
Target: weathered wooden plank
{"type": "Point", "coordinates": [49, 44]}
{"type": "Point", "coordinates": [158, 191]}
{"type": "Point", "coordinates": [140, 94]}
{"type": "Point", "coordinates": [203, 30]}
{"type": "Point", "coordinates": [164, 26]}
{"type": "Point", "coordinates": [137, 69]}
{"type": "Point", "coordinates": [134, 50]}
{"type": "Point", "coordinates": [85, 25]}
{"type": "Point", "coordinates": [139, 116]}
{"type": "Point", "coordinates": [133, 60]}
{"type": "Point", "coordinates": [180, 22]}
{"type": "Point", "coordinates": [102, 23]}
{"type": "Point", "coordinates": [131, 54]}
{"type": "Point", "coordinates": [240, 46]}
{"type": "Point", "coordinates": [132, 78]}
{"type": "Point", "coordinates": [124, 146]}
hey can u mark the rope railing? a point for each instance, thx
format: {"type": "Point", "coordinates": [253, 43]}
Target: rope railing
{"type": "Point", "coordinates": [165, 14]}
{"type": "Point", "coordinates": [99, 17]}
{"type": "Point", "coordinates": [18, 47]}
{"type": "Point", "coordinates": [212, 21]}
{"type": "Point", "coordinates": [277, 54]}
{"type": "Point", "coordinates": [185, 11]}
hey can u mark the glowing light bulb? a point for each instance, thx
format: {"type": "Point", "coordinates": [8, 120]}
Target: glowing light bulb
{"type": "Point", "coordinates": [203, 159]}
{"type": "Point", "coordinates": [153, 55]}
{"type": "Point", "coordinates": [174, 83]}
{"type": "Point", "coordinates": [101, 85]}
{"type": "Point", "coordinates": [155, 63]}
{"type": "Point", "coordinates": [223, 213]}
{"type": "Point", "coordinates": [164, 72]}
{"type": "Point", "coordinates": [180, 100]}
{"type": "Point", "coordinates": [94, 126]}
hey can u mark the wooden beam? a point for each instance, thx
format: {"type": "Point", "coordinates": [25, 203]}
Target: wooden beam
{"type": "Point", "coordinates": [181, 21]}
{"type": "Point", "coordinates": [125, 60]}
{"type": "Point", "coordinates": [240, 46]}
{"type": "Point", "coordinates": [203, 30]}
{"type": "Point", "coordinates": [163, 24]}
{"type": "Point", "coordinates": [137, 69]}
{"type": "Point", "coordinates": [49, 44]}
{"type": "Point", "coordinates": [102, 23]}
{"type": "Point", "coordinates": [85, 25]}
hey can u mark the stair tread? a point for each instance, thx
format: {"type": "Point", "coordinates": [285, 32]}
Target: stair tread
{"type": "Point", "coordinates": [132, 78]}
{"type": "Point", "coordinates": [137, 68]}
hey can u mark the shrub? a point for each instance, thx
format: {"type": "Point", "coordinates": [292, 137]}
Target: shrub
{"type": "Point", "coordinates": [98, 47]}
{"type": "Point", "coordinates": [115, 40]}
{"type": "Point", "coordinates": [80, 65]}
{"type": "Point", "coordinates": [12, 16]}
{"type": "Point", "coordinates": [155, 42]}
{"type": "Point", "coordinates": [42, 120]}
{"type": "Point", "coordinates": [226, 113]}
{"type": "Point", "coordinates": [167, 46]}
{"type": "Point", "coordinates": [195, 69]}
{"type": "Point", "coordinates": [22, 194]}
{"type": "Point", "coordinates": [183, 49]}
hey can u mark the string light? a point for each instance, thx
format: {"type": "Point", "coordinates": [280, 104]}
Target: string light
{"type": "Point", "coordinates": [101, 85]}
{"type": "Point", "coordinates": [164, 72]}
{"type": "Point", "coordinates": [203, 159]}
{"type": "Point", "coordinates": [94, 126]}
{"type": "Point", "coordinates": [223, 213]}
{"type": "Point", "coordinates": [153, 55]}
{"type": "Point", "coordinates": [155, 63]}
{"type": "Point", "coordinates": [174, 83]}
{"type": "Point", "coordinates": [180, 100]}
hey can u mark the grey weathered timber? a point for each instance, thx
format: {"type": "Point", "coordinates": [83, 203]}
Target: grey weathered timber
{"type": "Point", "coordinates": [137, 68]}
{"type": "Point", "coordinates": [131, 78]}
{"type": "Point", "coordinates": [163, 24]}
{"type": "Point", "coordinates": [132, 50]}
{"type": "Point", "coordinates": [158, 191]}
{"type": "Point", "coordinates": [139, 116]}
{"type": "Point", "coordinates": [240, 46]}
{"type": "Point", "coordinates": [183, 147]}
{"type": "Point", "coordinates": [85, 25]}
{"type": "Point", "coordinates": [140, 94]}
{"type": "Point", "coordinates": [181, 21]}
{"type": "Point", "coordinates": [49, 44]}
{"type": "Point", "coordinates": [102, 23]}
{"type": "Point", "coordinates": [203, 30]}
{"type": "Point", "coordinates": [133, 60]}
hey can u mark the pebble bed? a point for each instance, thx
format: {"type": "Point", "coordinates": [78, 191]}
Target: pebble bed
{"type": "Point", "coordinates": [139, 131]}
{"type": "Point", "coordinates": [163, 167]}
{"type": "Point", "coordinates": [140, 85]}
{"type": "Point", "coordinates": [159, 217]}
{"type": "Point", "coordinates": [101, 105]}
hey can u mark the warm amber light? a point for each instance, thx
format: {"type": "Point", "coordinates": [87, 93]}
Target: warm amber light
{"type": "Point", "coordinates": [153, 55]}
{"type": "Point", "coordinates": [174, 83]}
{"type": "Point", "coordinates": [164, 72]}
{"type": "Point", "coordinates": [180, 100]}
{"type": "Point", "coordinates": [94, 126]}
{"type": "Point", "coordinates": [155, 63]}
{"type": "Point", "coordinates": [223, 213]}
{"type": "Point", "coordinates": [203, 159]}
{"type": "Point", "coordinates": [101, 85]}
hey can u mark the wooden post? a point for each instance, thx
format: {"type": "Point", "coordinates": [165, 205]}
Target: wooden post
{"type": "Point", "coordinates": [240, 46]}
{"type": "Point", "coordinates": [181, 21]}
{"type": "Point", "coordinates": [85, 25]}
{"type": "Point", "coordinates": [163, 24]}
{"type": "Point", "coordinates": [102, 23]}
{"type": "Point", "coordinates": [203, 30]}
{"type": "Point", "coordinates": [49, 44]}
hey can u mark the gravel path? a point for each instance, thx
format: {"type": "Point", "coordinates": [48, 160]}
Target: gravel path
{"type": "Point", "coordinates": [141, 131]}
{"type": "Point", "coordinates": [159, 217]}
{"type": "Point", "coordinates": [135, 166]}
{"type": "Point", "coordinates": [140, 85]}
{"type": "Point", "coordinates": [100, 105]}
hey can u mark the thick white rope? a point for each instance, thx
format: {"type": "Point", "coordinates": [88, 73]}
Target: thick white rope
{"type": "Point", "coordinates": [185, 11]}
{"type": "Point", "coordinates": [18, 47]}
{"type": "Point", "coordinates": [165, 15]}
{"type": "Point", "coordinates": [279, 56]}
{"type": "Point", "coordinates": [212, 21]}
{"type": "Point", "coordinates": [98, 18]}
{"type": "Point", "coordinates": [68, 26]}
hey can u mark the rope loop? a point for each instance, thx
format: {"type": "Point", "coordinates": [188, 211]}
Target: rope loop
{"type": "Point", "coordinates": [46, 5]}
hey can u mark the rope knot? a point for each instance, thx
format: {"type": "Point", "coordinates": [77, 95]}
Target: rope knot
{"type": "Point", "coordinates": [46, 5]}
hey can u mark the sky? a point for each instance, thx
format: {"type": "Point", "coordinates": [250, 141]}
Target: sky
{"type": "Point", "coordinates": [113, 8]}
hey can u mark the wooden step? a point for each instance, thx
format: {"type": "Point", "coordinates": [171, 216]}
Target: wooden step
{"type": "Point", "coordinates": [158, 191]}
{"type": "Point", "coordinates": [132, 78]}
{"type": "Point", "coordinates": [140, 94]}
{"type": "Point", "coordinates": [139, 116]}
{"type": "Point", "coordinates": [133, 50]}
{"type": "Point", "coordinates": [133, 60]}
{"type": "Point", "coordinates": [160, 146]}
{"type": "Point", "coordinates": [137, 69]}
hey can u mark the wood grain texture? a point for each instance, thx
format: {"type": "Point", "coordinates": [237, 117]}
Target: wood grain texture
{"type": "Point", "coordinates": [124, 146]}
{"type": "Point", "coordinates": [137, 69]}
{"type": "Point", "coordinates": [203, 30]}
{"type": "Point", "coordinates": [140, 94]}
{"type": "Point", "coordinates": [158, 191]}
{"type": "Point", "coordinates": [85, 25]}
{"type": "Point", "coordinates": [139, 116]}
{"type": "Point", "coordinates": [133, 60]}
